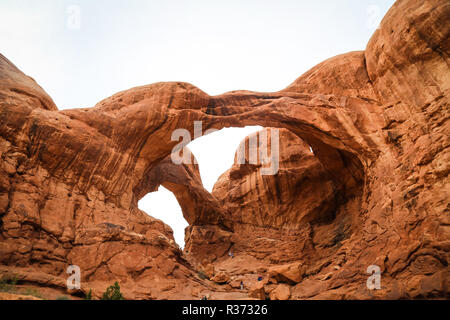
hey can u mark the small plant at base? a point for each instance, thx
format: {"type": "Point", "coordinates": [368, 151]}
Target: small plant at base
{"type": "Point", "coordinates": [8, 283]}
{"type": "Point", "coordinates": [113, 293]}
{"type": "Point", "coordinates": [202, 275]}
{"type": "Point", "coordinates": [32, 292]}
{"type": "Point", "coordinates": [88, 295]}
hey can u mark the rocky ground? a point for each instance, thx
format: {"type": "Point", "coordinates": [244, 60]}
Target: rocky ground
{"type": "Point", "coordinates": [362, 180]}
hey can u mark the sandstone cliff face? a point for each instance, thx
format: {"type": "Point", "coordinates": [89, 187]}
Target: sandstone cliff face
{"type": "Point", "coordinates": [373, 192]}
{"type": "Point", "coordinates": [51, 216]}
{"type": "Point", "coordinates": [299, 192]}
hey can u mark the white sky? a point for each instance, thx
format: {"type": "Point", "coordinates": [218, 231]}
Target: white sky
{"type": "Point", "coordinates": [113, 45]}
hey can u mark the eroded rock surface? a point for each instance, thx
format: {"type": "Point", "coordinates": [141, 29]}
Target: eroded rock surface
{"type": "Point", "coordinates": [374, 191]}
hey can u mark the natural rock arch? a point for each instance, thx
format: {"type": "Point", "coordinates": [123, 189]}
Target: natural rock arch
{"type": "Point", "coordinates": [377, 120]}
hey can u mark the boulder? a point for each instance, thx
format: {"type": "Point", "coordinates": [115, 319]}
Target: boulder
{"type": "Point", "coordinates": [281, 292]}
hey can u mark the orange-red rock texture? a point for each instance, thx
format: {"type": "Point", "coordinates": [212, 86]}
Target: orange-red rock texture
{"type": "Point", "coordinates": [373, 191]}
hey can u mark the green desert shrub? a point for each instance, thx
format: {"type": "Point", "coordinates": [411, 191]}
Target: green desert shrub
{"type": "Point", "coordinates": [8, 283]}
{"type": "Point", "coordinates": [32, 292]}
{"type": "Point", "coordinates": [113, 293]}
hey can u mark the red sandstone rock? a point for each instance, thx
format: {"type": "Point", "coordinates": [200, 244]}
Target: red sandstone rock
{"type": "Point", "coordinates": [257, 291]}
{"type": "Point", "coordinates": [292, 273]}
{"type": "Point", "coordinates": [281, 292]}
{"type": "Point", "coordinates": [221, 277]}
{"type": "Point", "coordinates": [374, 191]}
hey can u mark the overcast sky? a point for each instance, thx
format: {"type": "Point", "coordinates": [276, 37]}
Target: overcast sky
{"type": "Point", "coordinates": [83, 51]}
